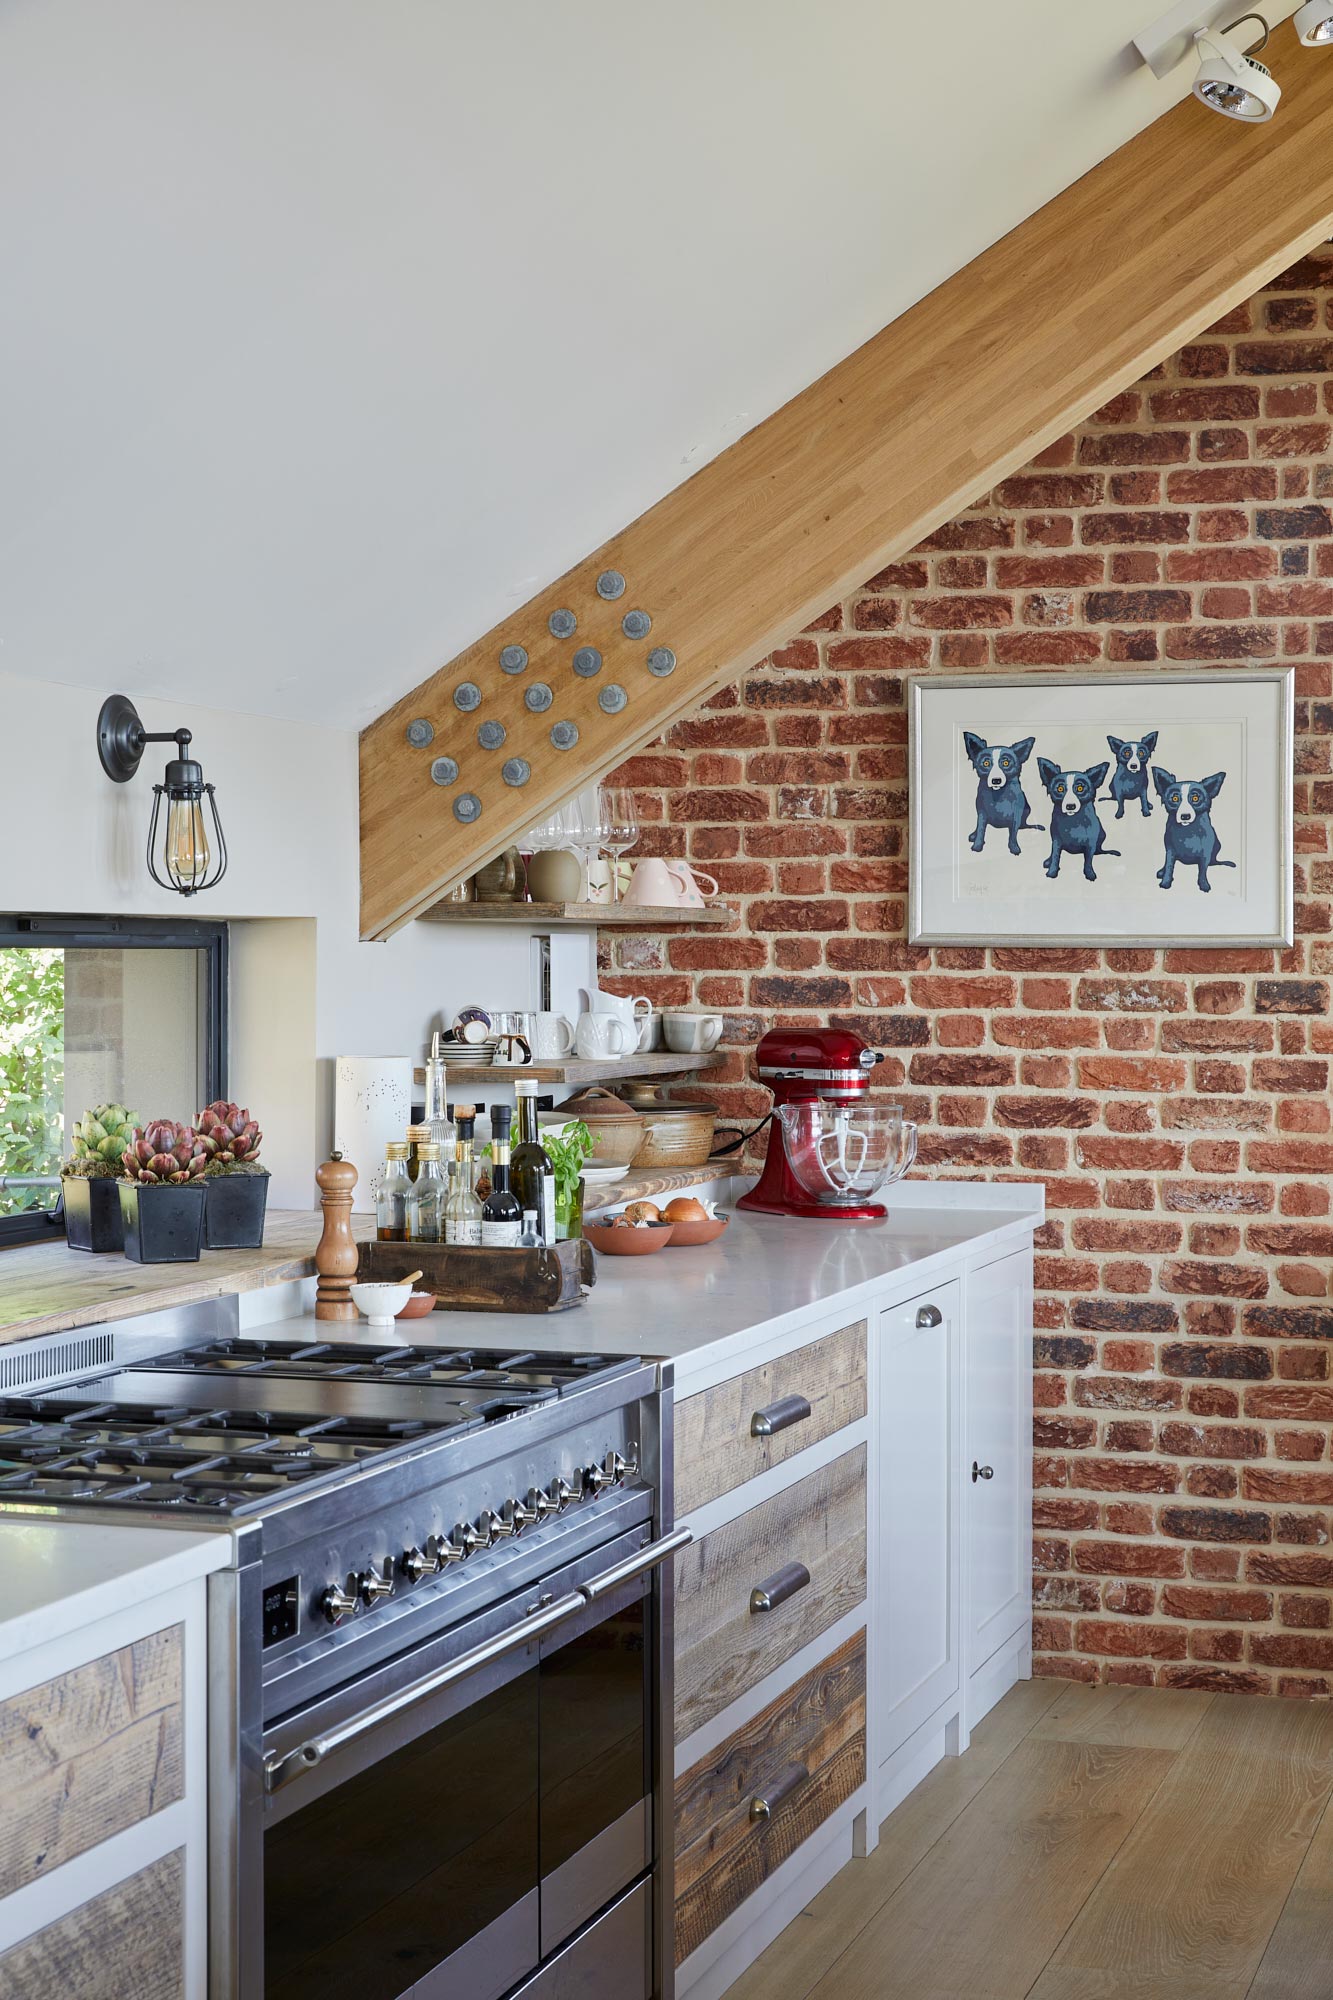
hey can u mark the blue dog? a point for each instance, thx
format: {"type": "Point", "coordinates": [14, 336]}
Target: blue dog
{"type": "Point", "coordinates": [1130, 778]}
{"type": "Point", "coordinates": [1001, 800]}
{"type": "Point", "coordinates": [1190, 835]}
{"type": "Point", "coordinates": [1075, 827]}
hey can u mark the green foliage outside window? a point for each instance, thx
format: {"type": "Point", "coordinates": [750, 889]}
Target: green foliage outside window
{"type": "Point", "coordinates": [32, 1072]}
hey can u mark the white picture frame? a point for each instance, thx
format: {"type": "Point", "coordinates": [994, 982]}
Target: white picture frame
{"type": "Point", "coordinates": [1120, 877]}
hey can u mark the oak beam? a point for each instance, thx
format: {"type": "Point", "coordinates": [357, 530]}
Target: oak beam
{"type": "Point", "coordinates": [1185, 221]}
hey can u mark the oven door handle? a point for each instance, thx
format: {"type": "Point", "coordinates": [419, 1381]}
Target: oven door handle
{"type": "Point", "coordinates": [280, 1767]}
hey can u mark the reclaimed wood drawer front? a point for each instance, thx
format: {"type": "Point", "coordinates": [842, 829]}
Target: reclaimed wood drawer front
{"type": "Point", "coordinates": [742, 1811]}
{"type": "Point", "coordinates": [716, 1448]}
{"type": "Point", "coordinates": [88, 1754]}
{"type": "Point", "coordinates": [126, 1944]}
{"type": "Point", "coordinates": [723, 1645]}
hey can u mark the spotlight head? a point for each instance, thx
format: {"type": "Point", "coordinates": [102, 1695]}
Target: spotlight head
{"type": "Point", "coordinates": [1232, 83]}
{"type": "Point", "coordinates": [1314, 23]}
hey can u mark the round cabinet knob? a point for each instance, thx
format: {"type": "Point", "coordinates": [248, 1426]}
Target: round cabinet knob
{"type": "Point", "coordinates": [337, 1603]}
{"type": "Point", "coordinates": [981, 1472]}
{"type": "Point", "coordinates": [929, 1316]}
{"type": "Point", "coordinates": [372, 1584]}
{"type": "Point", "coordinates": [562, 1493]}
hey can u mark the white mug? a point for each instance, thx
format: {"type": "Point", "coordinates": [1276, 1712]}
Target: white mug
{"type": "Point", "coordinates": [692, 1033]}
{"type": "Point", "coordinates": [552, 1037]}
{"type": "Point", "coordinates": [691, 895]}
{"type": "Point", "coordinates": [602, 1037]}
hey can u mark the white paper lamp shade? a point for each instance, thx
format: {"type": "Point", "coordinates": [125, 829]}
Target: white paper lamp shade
{"type": "Point", "coordinates": [372, 1103]}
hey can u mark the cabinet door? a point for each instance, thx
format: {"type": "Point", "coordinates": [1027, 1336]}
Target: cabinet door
{"type": "Point", "coordinates": [997, 1472]}
{"type": "Point", "coordinates": [919, 1436]}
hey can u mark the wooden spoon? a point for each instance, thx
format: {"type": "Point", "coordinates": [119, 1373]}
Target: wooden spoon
{"type": "Point", "coordinates": [410, 1279]}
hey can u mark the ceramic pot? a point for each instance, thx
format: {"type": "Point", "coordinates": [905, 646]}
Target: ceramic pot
{"type": "Point", "coordinates": [92, 1214]}
{"type": "Point", "coordinates": [164, 1221]}
{"type": "Point", "coordinates": [234, 1206]}
{"type": "Point", "coordinates": [500, 880]}
{"type": "Point", "coordinates": [554, 876]}
{"type": "Point", "coordinates": [617, 1131]}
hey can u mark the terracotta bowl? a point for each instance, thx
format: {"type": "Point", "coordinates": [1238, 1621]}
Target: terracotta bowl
{"type": "Point", "coordinates": [689, 1235]}
{"type": "Point", "coordinates": [417, 1306]}
{"type": "Point", "coordinates": [629, 1242]}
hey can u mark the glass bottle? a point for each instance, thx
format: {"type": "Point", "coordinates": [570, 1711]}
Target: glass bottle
{"type": "Point", "coordinates": [425, 1204]}
{"type": "Point", "coordinates": [437, 1110]}
{"type": "Point", "coordinates": [531, 1174]}
{"type": "Point", "coordinates": [501, 1216]}
{"type": "Point", "coordinates": [391, 1201]}
{"type": "Point", "coordinates": [417, 1136]}
{"type": "Point", "coordinates": [528, 1237]}
{"type": "Point", "coordinates": [463, 1218]}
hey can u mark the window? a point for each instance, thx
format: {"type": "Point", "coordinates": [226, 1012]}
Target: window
{"type": "Point", "coordinates": [99, 1010]}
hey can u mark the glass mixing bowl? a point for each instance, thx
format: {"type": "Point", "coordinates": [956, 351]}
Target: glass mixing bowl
{"type": "Point", "coordinates": [843, 1154]}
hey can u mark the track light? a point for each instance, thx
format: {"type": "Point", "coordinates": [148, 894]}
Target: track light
{"type": "Point", "coordinates": [1314, 23]}
{"type": "Point", "coordinates": [1233, 83]}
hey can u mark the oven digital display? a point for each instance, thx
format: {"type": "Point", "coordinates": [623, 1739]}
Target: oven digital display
{"type": "Point", "coordinates": [281, 1611]}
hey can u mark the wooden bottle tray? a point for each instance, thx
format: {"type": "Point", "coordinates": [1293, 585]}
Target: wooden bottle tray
{"type": "Point", "coordinates": [546, 1280]}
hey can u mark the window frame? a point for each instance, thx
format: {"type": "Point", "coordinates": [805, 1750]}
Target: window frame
{"type": "Point", "coordinates": [69, 933]}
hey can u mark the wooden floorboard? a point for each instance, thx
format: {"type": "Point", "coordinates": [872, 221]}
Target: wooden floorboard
{"type": "Point", "coordinates": [1092, 1844]}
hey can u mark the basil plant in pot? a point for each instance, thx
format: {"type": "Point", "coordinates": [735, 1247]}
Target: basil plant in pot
{"type": "Point", "coordinates": [162, 1194]}
{"type": "Point", "coordinates": [90, 1178]}
{"type": "Point", "coordinates": [235, 1185]}
{"type": "Point", "coordinates": [567, 1148]}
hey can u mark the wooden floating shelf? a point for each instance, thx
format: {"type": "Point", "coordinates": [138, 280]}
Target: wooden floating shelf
{"type": "Point", "coordinates": [652, 1181]}
{"type": "Point", "coordinates": [637, 917]}
{"type": "Point", "coordinates": [660, 1062]}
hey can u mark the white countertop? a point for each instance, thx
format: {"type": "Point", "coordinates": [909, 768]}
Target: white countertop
{"type": "Point", "coordinates": [61, 1575]}
{"type": "Point", "coordinates": [764, 1273]}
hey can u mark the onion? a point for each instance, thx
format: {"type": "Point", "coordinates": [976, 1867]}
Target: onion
{"type": "Point", "coordinates": [685, 1209]}
{"type": "Point", "coordinates": [643, 1211]}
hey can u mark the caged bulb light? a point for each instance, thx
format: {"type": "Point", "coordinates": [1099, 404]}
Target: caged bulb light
{"type": "Point", "coordinates": [1314, 23]}
{"type": "Point", "coordinates": [1231, 82]}
{"type": "Point", "coordinates": [183, 854]}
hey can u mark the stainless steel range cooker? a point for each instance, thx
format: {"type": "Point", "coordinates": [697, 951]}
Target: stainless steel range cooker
{"type": "Point", "coordinates": [439, 1662]}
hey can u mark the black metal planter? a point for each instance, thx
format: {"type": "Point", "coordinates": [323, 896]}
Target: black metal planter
{"type": "Point", "coordinates": [234, 1207]}
{"type": "Point", "coordinates": [164, 1220]}
{"type": "Point", "coordinates": [92, 1214]}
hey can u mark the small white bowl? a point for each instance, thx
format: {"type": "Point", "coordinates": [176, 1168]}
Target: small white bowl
{"type": "Point", "coordinates": [380, 1303]}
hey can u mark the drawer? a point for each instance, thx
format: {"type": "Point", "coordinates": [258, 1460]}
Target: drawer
{"type": "Point", "coordinates": [128, 1940]}
{"type": "Point", "coordinates": [86, 1755]}
{"type": "Point", "coordinates": [806, 1547]}
{"type": "Point", "coordinates": [804, 1396]}
{"type": "Point", "coordinates": [800, 1758]}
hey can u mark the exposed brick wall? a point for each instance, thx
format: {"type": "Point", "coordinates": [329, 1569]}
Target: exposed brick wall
{"type": "Point", "coordinates": [1175, 1103]}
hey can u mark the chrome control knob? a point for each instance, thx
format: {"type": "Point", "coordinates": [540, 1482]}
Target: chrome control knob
{"type": "Point", "coordinates": [466, 1539]}
{"type": "Point", "coordinates": [561, 1493]}
{"type": "Point", "coordinates": [337, 1603]}
{"type": "Point", "coordinates": [520, 1515]}
{"type": "Point", "coordinates": [541, 1503]}
{"type": "Point", "coordinates": [494, 1527]}
{"type": "Point", "coordinates": [417, 1563]}
{"type": "Point", "coordinates": [447, 1552]}
{"type": "Point", "coordinates": [619, 1468]}
{"type": "Point", "coordinates": [373, 1585]}
{"type": "Point", "coordinates": [596, 1478]}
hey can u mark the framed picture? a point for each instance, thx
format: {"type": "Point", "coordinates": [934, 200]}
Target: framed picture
{"type": "Point", "coordinates": [1111, 809]}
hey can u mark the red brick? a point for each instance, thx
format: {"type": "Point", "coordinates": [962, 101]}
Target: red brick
{"type": "Point", "coordinates": [1159, 1642]}
{"type": "Point", "coordinates": [1128, 1559]}
{"type": "Point", "coordinates": [1243, 1606]}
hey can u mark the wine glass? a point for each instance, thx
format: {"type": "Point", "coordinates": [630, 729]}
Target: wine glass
{"type": "Point", "coordinates": [619, 815]}
{"type": "Point", "coordinates": [583, 832]}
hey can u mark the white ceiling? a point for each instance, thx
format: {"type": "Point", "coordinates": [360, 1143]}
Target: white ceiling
{"type": "Point", "coordinates": [332, 331]}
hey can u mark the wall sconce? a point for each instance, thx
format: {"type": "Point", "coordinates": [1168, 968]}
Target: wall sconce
{"type": "Point", "coordinates": [188, 861]}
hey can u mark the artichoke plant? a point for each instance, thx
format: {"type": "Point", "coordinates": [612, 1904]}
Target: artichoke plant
{"type": "Point", "coordinates": [164, 1151]}
{"type": "Point", "coordinates": [100, 1139]}
{"type": "Point", "coordinates": [227, 1135]}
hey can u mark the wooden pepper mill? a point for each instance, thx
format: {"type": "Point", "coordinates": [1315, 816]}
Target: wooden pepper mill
{"type": "Point", "coordinates": [336, 1254]}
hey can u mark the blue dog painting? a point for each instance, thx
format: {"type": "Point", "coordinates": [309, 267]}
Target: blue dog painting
{"type": "Point", "coordinates": [1129, 780]}
{"type": "Point", "coordinates": [1001, 800]}
{"type": "Point", "coordinates": [1075, 827]}
{"type": "Point", "coordinates": [1191, 838]}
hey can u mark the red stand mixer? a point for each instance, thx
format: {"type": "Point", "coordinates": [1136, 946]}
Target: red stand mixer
{"type": "Point", "coordinates": [829, 1149]}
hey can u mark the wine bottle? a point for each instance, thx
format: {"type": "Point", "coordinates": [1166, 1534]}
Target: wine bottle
{"type": "Point", "coordinates": [531, 1173]}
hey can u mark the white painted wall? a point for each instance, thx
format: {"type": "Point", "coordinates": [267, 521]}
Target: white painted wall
{"type": "Point", "coordinates": [334, 329]}
{"type": "Point", "coordinates": [302, 992]}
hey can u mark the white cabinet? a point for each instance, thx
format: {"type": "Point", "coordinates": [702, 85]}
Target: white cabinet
{"type": "Point", "coordinates": [917, 1602]}
{"type": "Point", "coordinates": [997, 1467]}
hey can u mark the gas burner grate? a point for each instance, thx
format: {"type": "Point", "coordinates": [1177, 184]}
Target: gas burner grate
{"type": "Point", "coordinates": [528, 1377]}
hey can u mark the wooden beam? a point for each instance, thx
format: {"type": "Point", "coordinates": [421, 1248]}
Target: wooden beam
{"type": "Point", "coordinates": [1184, 222]}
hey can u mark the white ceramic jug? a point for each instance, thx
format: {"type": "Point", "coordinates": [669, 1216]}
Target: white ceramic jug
{"type": "Point", "coordinates": [603, 1037]}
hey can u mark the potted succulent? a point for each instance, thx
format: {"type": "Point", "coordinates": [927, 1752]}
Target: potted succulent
{"type": "Point", "coordinates": [89, 1179]}
{"type": "Point", "coordinates": [162, 1194]}
{"type": "Point", "coordinates": [235, 1185]}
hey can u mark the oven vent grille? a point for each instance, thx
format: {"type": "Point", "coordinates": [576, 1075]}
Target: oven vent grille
{"type": "Point", "coordinates": [41, 1361]}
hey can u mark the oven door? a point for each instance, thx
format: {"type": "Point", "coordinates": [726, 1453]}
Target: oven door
{"type": "Point", "coordinates": [443, 1826]}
